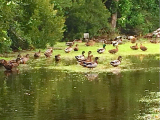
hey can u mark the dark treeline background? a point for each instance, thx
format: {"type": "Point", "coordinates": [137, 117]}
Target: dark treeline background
{"type": "Point", "coordinates": [26, 24]}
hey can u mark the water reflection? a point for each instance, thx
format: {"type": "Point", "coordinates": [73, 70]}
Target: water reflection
{"type": "Point", "coordinates": [149, 105]}
{"type": "Point", "coordinates": [116, 70]}
{"type": "Point", "coordinates": [46, 94]}
{"type": "Point", "coordinates": [91, 76]}
{"type": "Point", "coordinates": [8, 73]}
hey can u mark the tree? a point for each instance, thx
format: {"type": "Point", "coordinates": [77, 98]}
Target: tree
{"type": "Point", "coordinates": [6, 18]}
{"type": "Point", "coordinates": [36, 24]}
{"type": "Point", "coordinates": [86, 16]}
{"type": "Point", "coordinates": [134, 17]}
{"type": "Point", "coordinates": [46, 25]}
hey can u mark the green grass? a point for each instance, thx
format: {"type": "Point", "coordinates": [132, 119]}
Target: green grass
{"type": "Point", "coordinates": [104, 58]}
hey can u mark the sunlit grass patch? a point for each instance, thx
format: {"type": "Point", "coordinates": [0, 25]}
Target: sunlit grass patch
{"type": "Point", "coordinates": [68, 61]}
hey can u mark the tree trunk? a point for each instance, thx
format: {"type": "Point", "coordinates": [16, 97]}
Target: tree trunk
{"type": "Point", "coordinates": [114, 16]}
{"type": "Point", "coordinates": [114, 21]}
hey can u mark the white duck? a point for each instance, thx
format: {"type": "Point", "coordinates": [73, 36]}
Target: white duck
{"type": "Point", "coordinates": [117, 62]}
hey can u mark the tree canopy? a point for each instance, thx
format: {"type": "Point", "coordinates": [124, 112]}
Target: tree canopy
{"type": "Point", "coordinates": [34, 24]}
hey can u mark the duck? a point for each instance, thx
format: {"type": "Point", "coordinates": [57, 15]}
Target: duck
{"type": "Point", "coordinates": [69, 49]}
{"type": "Point", "coordinates": [143, 48]}
{"type": "Point", "coordinates": [118, 38]}
{"type": "Point", "coordinates": [108, 41]}
{"type": "Point", "coordinates": [80, 57]}
{"type": "Point", "coordinates": [37, 54]}
{"type": "Point", "coordinates": [24, 59]}
{"type": "Point", "coordinates": [91, 64]}
{"type": "Point", "coordinates": [76, 48]}
{"type": "Point", "coordinates": [86, 61]}
{"type": "Point", "coordinates": [89, 57]}
{"type": "Point", "coordinates": [19, 56]}
{"type": "Point", "coordinates": [113, 51]}
{"type": "Point", "coordinates": [57, 58]}
{"type": "Point", "coordinates": [77, 40]}
{"type": "Point", "coordinates": [114, 43]}
{"type": "Point", "coordinates": [70, 43]}
{"type": "Point", "coordinates": [117, 62]}
{"type": "Point", "coordinates": [10, 65]}
{"type": "Point", "coordinates": [49, 52]}
{"type": "Point", "coordinates": [101, 50]}
{"type": "Point", "coordinates": [135, 47]}
{"type": "Point", "coordinates": [132, 38]}
{"type": "Point", "coordinates": [1, 62]}
{"type": "Point", "coordinates": [90, 43]}
{"type": "Point", "coordinates": [154, 41]}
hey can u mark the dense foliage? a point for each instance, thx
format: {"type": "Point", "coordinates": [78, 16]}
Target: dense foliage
{"type": "Point", "coordinates": [6, 18]}
{"type": "Point", "coordinates": [135, 17]}
{"type": "Point", "coordinates": [86, 16]}
{"type": "Point", "coordinates": [29, 24]}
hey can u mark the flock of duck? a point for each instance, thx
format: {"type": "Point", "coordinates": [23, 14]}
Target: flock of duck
{"type": "Point", "coordinates": [81, 59]}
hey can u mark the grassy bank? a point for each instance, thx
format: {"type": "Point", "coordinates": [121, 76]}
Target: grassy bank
{"type": "Point", "coordinates": [68, 61]}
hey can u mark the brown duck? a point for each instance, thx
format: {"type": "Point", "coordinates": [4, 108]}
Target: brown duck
{"type": "Point", "coordinates": [24, 59]}
{"type": "Point", "coordinates": [48, 52]}
{"type": "Point", "coordinates": [135, 47]}
{"type": "Point", "coordinates": [19, 57]}
{"type": "Point", "coordinates": [89, 56]}
{"type": "Point", "coordinates": [37, 54]}
{"type": "Point", "coordinates": [1, 62]}
{"type": "Point", "coordinates": [143, 48]}
{"type": "Point", "coordinates": [10, 65]}
{"type": "Point", "coordinates": [76, 48]}
{"type": "Point", "coordinates": [113, 51]}
{"type": "Point", "coordinates": [132, 38]}
{"type": "Point", "coordinates": [154, 41]}
{"type": "Point", "coordinates": [57, 58]}
{"type": "Point", "coordinates": [88, 59]}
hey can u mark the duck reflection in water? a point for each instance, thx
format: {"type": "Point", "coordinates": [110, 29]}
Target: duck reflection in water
{"type": "Point", "coordinates": [91, 76]}
{"type": "Point", "coordinates": [11, 72]}
{"type": "Point", "coordinates": [115, 70]}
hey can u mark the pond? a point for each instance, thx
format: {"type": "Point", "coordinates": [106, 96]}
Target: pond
{"type": "Point", "coordinates": [46, 94]}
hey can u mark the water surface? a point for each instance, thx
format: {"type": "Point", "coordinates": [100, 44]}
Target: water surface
{"type": "Point", "coordinates": [46, 94]}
